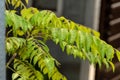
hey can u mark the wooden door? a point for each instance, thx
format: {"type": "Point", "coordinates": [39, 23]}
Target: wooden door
{"type": "Point", "coordinates": [110, 32]}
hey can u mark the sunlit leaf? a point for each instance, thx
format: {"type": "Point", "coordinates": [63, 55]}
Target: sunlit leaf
{"type": "Point", "coordinates": [28, 13]}
{"type": "Point", "coordinates": [106, 63]}
{"type": "Point", "coordinates": [118, 54]}
{"type": "Point", "coordinates": [112, 65]}
{"type": "Point", "coordinates": [50, 64]}
{"type": "Point", "coordinates": [72, 36]}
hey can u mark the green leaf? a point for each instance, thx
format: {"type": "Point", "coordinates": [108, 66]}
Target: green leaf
{"type": "Point", "coordinates": [28, 13]}
{"type": "Point", "coordinates": [63, 35]}
{"type": "Point", "coordinates": [15, 75]}
{"type": "Point", "coordinates": [33, 54]}
{"type": "Point", "coordinates": [81, 39]}
{"type": "Point", "coordinates": [47, 17]}
{"type": "Point", "coordinates": [45, 70]}
{"type": "Point", "coordinates": [97, 34]}
{"type": "Point", "coordinates": [49, 64]}
{"type": "Point", "coordinates": [62, 45]}
{"type": "Point", "coordinates": [54, 32]}
{"type": "Point", "coordinates": [84, 29]}
{"type": "Point", "coordinates": [26, 71]}
{"type": "Point", "coordinates": [118, 54]}
{"type": "Point", "coordinates": [99, 61]}
{"type": "Point", "coordinates": [17, 23]}
{"type": "Point", "coordinates": [86, 55]}
{"type": "Point", "coordinates": [43, 46]}
{"type": "Point", "coordinates": [88, 42]}
{"type": "Point", "coordinates": [106, 63]}
{"type": "Point", "coordinates": [69, 49]}
{"type": "Point", "coordinates": [78, 41]}
{"type": "Point", "coordinates": [102, 49]}
{"type": "Point", "coordinates": [112, 65]}
{"type": "Point", "coordinates": [13, 2]}
{"type": "Point", "coordinates": [77, 53]}
{"type": "Point", "coordinates": [36, 58]}
{"type": "Point", "coordinates": [17, 4]}
{"type": "Point", "coordinates": [27, 53]}
{"type": "Point", "coordinates": [20, 32]}
{"type": "Point", "coordinates": [14, 43]}
{"type": "Point", "coordinates": [110, 52]}
{"type": "Point", "coordinates": [26, 1]}
{"type": "Point", "coordinates": [92, 57]}
{"type": "Point", "coordinates": [35, 31]}
{"type": "Point", "coordinates": [72, 25]}
{"type": "Point", "coordinates": [72, 36]}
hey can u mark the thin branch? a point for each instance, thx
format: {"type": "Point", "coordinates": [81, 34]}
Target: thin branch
{"type": "Point", "coordinates": [10, 68]}
{"type": "Point", "coordinates": [11, 59]}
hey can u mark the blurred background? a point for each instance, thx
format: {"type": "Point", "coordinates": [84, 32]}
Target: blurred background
{"type": "Point", "coordinates": [101, 15]}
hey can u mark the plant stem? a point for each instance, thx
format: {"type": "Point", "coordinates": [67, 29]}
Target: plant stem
{"type": "Point", "coordinates": [10, 68]}
{"type": "Point", "coordinates": [11, 59]}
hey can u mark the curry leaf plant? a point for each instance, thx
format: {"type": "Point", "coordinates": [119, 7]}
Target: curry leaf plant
{"type": "Point", "coordinates": [31, 58]}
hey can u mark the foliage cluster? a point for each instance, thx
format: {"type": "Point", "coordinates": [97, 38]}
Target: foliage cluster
{"type": "Point", "coordinates": [32, 60]}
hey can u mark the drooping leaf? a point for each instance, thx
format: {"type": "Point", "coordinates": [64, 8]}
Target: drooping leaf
{"type": "Point", "coordinates": [63, 45]}
{"type": "Point", "coordinates": [112, 65]}
{"type": "Point", "coordinates": [17, 4]}
{"type": "Point", "coordinates": [17, 23]}
{"type": "Point", "coordinates": [69, 49]}
{"type": "Point", "coordinates": [106, 63]}
{"type": "Point", "coordinates": [72, 36]}
{"type": "Point", "coordinates": [63, 34]}
{"type": "Point", "coordinates": [14, 43]}
{"type": "Point", "coordinates": [27, 1]}
{"type": "Point", "coordinates": [28, 13]}
{"type": "Point", "coordinates": [49, 64]}
{"type": "Point", "coordinates": [118, 54]}
{"type": "Point", "coordinates": [26, 71]}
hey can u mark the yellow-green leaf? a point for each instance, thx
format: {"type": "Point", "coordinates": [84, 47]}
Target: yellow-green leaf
{"type": "Point", "coordinates": [26, 1]}
{"type": "Point", "coordinates": [28, 13]}
{"type": "Point", "coordinates": [112, 65]}
{"type": "Point", "coordinates": [118, 54]}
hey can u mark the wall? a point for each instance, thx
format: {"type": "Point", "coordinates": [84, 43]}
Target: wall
{"type": "Point", "coordinates": [74, 10]}
{"type": "Point", "coordinates": [2, 41]}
